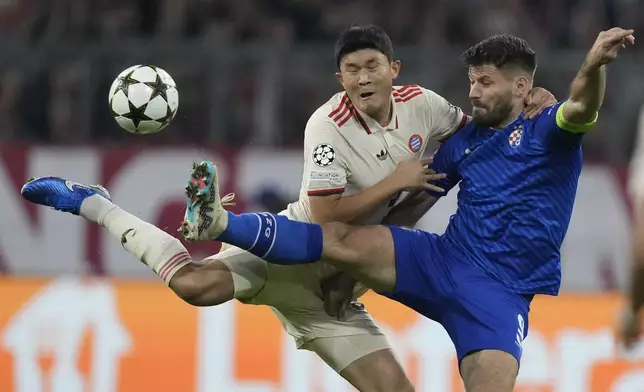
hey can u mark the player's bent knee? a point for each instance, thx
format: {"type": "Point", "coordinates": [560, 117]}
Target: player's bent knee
{"type": "Point", "coordinates": [335, 232]}
{"type": "Point", "coordinates": [203, 284]}
{"type": "Point", "coordinates": [336, 249]}
{"type": "Point", "coordinates": [489, 370]}
{"type": "Point", "coordinates": [365, 252]}
{"type": "Point", "coordinates": [342, 242]}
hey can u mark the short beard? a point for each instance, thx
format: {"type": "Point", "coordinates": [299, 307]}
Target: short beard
{"type": "Point", "coordinates": [496, 118]}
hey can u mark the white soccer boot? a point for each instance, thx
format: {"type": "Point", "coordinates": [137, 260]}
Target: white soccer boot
{"type": "Point", "coordinates": [205, 218]}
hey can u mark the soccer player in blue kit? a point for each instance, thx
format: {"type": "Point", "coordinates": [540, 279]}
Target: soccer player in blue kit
{"type": "Point", "coordinates": [518, 180]}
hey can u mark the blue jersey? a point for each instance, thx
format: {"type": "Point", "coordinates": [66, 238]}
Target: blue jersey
{"type": "Point", "coordinates": [517, 189]}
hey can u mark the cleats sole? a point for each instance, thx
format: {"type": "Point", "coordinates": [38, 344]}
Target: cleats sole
{"type": "Point", "coordinates": [201, 179]}
{"type": "Point", "coordinates": [198, 194]}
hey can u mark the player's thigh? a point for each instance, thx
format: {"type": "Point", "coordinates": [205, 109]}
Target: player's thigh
{"type": "Point", "coordinates": [313, 329]}
{"type": "Point", "coordinates": [340, 352]}
{"type": "Point", "coordinates": [423, 278]}
{"type": "Point", "coordinates": [248, 273]}
{"type": "Point", "coordinates": [378, 371]}
{"type": "Point", "coordinates": [489, 371]}
{"type": "Point", "coordinates": [365, 252]}
{"type": "Point", "coordinates": [487, 324]}
{"type": "Point", "coordinates": [366, 361]}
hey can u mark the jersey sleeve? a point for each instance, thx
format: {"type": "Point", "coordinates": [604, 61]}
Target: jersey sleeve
{"type": "Point", "coordinates": [552, 128]}
{"type": "Point", "coordinates": [442, 162]}
{"type": "Point", "coordinates": [325, 169]}
{"type": "Point", "coordinates": [444, 117]}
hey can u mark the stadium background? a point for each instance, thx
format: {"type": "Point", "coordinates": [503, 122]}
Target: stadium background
{"type": "Point", "coordinates": [77, 313]}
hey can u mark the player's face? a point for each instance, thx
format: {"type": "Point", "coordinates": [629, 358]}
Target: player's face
{"type": "Point", "coordinates": [367, 77]}
{"type": "Point", "coordinates": [491, 94]}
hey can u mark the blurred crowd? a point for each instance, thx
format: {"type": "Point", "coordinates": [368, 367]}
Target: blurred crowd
{"type": "Point", "coordinates": [551, 23]}
{"type": "Point", "coordinates": [252, 71]}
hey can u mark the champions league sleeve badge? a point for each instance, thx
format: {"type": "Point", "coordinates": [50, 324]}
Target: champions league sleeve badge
{"type": "Point", "coordinates": [323, 155]}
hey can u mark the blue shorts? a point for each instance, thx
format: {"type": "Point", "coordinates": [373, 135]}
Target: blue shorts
{"type": "Point", "coordinates": [437, 281]}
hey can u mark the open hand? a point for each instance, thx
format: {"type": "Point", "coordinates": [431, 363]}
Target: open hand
{"type": "Point", "coordinates": [608, 44]}
{"type": "Point", "coordinates": [415, 174]}
{"type": "Point", "coordinates": [537, 100]}
{"type": "Point", "coordinates": [337, 294]}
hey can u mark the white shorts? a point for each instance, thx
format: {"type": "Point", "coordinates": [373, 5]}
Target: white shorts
{"type": "Point", "coordinates": [294, 294]}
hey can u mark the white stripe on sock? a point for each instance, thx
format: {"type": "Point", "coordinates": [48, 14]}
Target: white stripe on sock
{"type": "Point", "coordinates": [274, 237]}
{"type": "Point", "coordinates": [259, 218]}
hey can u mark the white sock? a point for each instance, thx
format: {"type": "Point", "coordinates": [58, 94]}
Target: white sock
{"type": "Point", "coordinates": [160, 251]}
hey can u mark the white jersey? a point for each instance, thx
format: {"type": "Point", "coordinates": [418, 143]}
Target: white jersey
{"type": "Point", "coordinates": [346, 151]}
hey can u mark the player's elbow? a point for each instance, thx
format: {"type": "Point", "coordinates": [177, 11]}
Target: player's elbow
{"type": "Point", "coordinates": [320, 217]}
{"type": "Point", "coordinates": [325, 209]}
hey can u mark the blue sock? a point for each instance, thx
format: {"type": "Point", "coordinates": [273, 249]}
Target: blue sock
{"type": "Point", "coordinates": [274, 238]}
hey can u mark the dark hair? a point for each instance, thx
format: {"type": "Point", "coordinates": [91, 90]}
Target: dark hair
{"type": "Point", "coordinates": [502, 50]}
{"type": "Point", "coordinates": [363, 37]}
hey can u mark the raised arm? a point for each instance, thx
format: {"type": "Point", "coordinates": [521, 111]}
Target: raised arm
{"type": "Point", "coordinates": [579, 112]}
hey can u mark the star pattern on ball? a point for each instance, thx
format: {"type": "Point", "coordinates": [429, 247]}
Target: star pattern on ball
{"type": "Point", "coordinates": [168, 114]}
{"type": "Point", "coordinates": [158, 88]}
{"type": "Point", "coordinates": [136, 114]}
{"type": "Point", "coordinates": [152, 114]}
{"type": "Point", "coordinates": [125, 82]}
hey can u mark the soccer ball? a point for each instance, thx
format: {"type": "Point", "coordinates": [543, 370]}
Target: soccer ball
{"type": "Point", "coordinates": [143, 99]}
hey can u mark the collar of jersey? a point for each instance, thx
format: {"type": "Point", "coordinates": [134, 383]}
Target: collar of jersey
{"type": "Point", "coordinates": [511, 124]}
{"type": "Point", "coordinates": [370, 125]}
{"type": "Point", "coordinates": [516, 121]}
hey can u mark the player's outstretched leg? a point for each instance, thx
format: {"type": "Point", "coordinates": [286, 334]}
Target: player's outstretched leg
{"type": "Point", "coordinates": [272, 237]}
{"type": "Point", "coordinates": [197, 283]}
{"type": "Point", "coordinates": [365, 252]}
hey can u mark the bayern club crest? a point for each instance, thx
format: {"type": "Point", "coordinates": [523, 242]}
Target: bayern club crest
{"type": "Point", "coordinates": [415, 142]}
{"type": "Point", "coordinates": [515, 137]}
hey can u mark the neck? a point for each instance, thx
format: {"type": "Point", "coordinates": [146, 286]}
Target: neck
{"type": "Point", "coordinates": [514, 114]}
{"type": "Point", "coordinates": [384, 117]}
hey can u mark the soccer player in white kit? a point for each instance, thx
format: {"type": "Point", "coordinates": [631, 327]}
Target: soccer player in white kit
{"type": "Point", "coordinates": [362, 149]}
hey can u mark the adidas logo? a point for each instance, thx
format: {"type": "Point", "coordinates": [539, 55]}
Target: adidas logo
{"type": "Point", "coordinates": [382, 155]}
